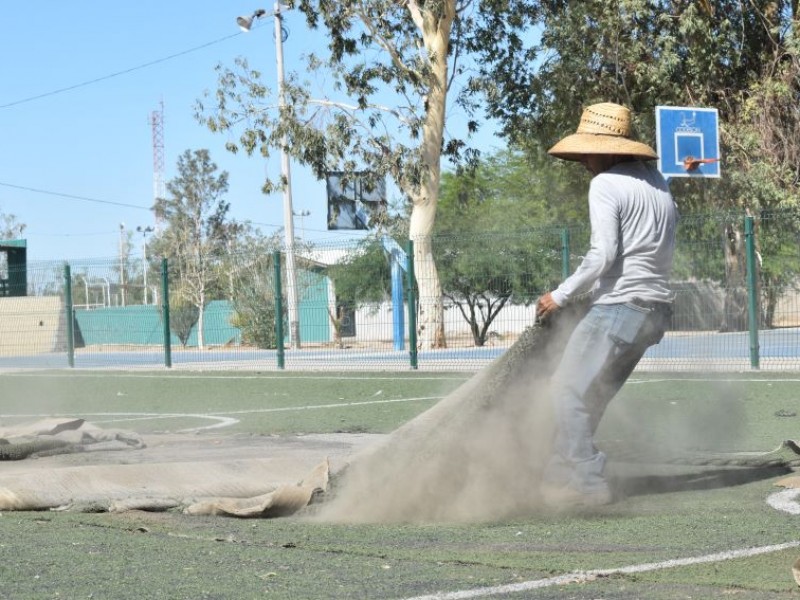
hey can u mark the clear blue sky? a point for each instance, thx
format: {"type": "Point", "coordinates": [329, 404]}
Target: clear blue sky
{"type": "Point", "coordinates": [95, 141]}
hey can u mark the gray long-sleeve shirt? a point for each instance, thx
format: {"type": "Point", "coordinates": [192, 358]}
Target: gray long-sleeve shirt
{"type": "Point", "coordinates": [633, 219]}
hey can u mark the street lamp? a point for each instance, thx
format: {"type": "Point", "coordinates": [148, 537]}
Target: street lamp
{"type": "Point", "coordinates": [144, 231]}
{"type": "Point", "coordinates": [122, 263]}
{"type": "Point", "coordinates": [245, 23]}
{"type": "Point", "coordinates": [302, 214]}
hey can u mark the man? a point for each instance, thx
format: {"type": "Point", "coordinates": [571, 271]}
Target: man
{"type": "Point", "coordinates": [626, 270]}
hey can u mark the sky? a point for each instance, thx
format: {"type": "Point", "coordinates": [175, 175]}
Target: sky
{"type": "Point", "coordinates": [79, 82]}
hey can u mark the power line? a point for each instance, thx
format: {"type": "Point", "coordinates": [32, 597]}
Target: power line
{"type": "Point", "coordinates": [72, 197]}
{"type": "Point", "coordinates": [118, 73]}
{"type": "Point", "coordinates": [87, 199]}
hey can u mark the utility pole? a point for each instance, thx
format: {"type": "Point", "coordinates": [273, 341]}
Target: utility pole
{"type": "Point", "coordinates": [245, 23]}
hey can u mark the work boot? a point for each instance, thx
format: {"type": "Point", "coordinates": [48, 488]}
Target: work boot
{"type": "Point", "coordinates": [566, 497]}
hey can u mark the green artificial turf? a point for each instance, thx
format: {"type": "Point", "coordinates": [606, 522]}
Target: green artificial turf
{"type": "Point", "coordinates": [669, 513]}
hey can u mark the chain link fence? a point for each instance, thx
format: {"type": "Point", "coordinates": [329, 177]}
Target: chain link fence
{"type": "Point", "coordinates": [345, 306]}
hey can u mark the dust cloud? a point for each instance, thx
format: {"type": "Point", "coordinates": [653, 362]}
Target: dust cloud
{"type": "Point", "coordinates": [690, 418]}
{"type": "Point", "coordinates": [477, 455]}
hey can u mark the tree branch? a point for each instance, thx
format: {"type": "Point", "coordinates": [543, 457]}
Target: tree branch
{"type": "Point", "coordinates": [416, 14]}
{"type": "Point", "coordinates": [352, 108]}
{"type": "Point", "coordinates": [381, 40]}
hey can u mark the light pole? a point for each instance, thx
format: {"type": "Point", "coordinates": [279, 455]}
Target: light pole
{"type": "Point", "coordinates": [86, 286]}
{"type": "Point", "coordinates": [106, 292]}
{"type": "Point", "coordinates": [144, 231]}
{"type": "Point", "coordinates": [245, 23]}
{"type": "Point", "coordinates": [122, 263]}
{"type": "Point", "coordinates": [303, 214]}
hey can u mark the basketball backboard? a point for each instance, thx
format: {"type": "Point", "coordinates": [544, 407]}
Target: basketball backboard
{"type": "Point", "coordinates": [355, 201]}
{"type": "Point", "coordinates": [687, 141]}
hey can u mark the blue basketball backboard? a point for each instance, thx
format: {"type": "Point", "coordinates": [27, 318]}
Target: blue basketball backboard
{"type": "Point", "coordinates": [687, 141]}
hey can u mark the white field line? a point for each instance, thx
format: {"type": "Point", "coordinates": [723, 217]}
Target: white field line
{"type": "Point", "coordinates": [132, 416]}
{"type": "Point", "coordinates": [319, 406]}
{"type": "Point", "coordinates": [175, 375]}
{"type": "Point", "coordinates": [222, 421]}
{"type": "Point", "coordinates": [710, 380]}
{"type": "Point", "coordinates": [227, 421]}
{"type": "Point", "coordinates": [592, 575]}
{"type": "Point", "coordinates": [119, 417]}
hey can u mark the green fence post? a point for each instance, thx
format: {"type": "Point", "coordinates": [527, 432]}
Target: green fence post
{"type": "Point", "coordinates": [276, 262]}
{"type": "Point", "coordinates": [165, 313]}
{"type": "Point", "coordinates": [412, 305]}
{"type": "Point", "coordinates": [70, 315]}
{"type": "Point", "coordinates": [752, 289]}
{"type": "Point", "coordinates": [565, 271]}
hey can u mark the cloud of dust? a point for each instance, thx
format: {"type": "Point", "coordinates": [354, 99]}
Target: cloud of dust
{"type": "Point", "coordinates": [678, 420]}
{"type": "Point", "coordinates": [477, 455]}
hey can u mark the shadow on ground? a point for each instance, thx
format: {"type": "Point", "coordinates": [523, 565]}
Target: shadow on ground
{"type": "Point", "coordinates": [631, 481]}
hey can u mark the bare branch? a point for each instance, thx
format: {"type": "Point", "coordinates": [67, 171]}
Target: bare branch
{"type": "Point", "coordinates": [352, 108]}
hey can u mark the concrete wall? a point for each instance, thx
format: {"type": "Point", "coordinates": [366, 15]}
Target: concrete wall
{"type": "Point", "coordinates": [31, 325]}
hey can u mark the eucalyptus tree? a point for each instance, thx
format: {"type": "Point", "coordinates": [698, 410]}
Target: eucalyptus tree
{"type": "Point", "coordinates": [391, 67]}
{"type": "Point", "coordinates": [196, 229]}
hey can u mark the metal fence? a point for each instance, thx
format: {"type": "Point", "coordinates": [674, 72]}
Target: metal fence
{"type": "Point", "coordinates": [735, 282]}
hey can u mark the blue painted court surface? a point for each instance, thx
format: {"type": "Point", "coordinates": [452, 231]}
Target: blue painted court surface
{"type": "Point", "coordinates": [682, 350]}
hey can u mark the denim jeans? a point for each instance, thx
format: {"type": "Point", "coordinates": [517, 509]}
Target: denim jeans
{"type": "Point", "coordinates": [599, 357]}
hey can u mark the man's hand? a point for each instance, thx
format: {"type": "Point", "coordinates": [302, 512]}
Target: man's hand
{"type": "Point", "coordinates": [546, 307]}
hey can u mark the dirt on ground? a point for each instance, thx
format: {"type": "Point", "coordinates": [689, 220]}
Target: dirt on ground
{"type": "Point", "coordinates": [174, 470]}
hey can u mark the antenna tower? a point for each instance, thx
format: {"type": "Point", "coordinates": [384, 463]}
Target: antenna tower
{"type": "Point", "coordinates": [157, 125]}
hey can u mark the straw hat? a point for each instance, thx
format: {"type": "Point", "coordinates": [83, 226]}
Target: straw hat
{"type": "Point", "coordinates": [604, 129]}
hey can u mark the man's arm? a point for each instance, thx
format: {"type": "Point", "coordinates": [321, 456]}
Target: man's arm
{"type": "Point", "coordinates": [601, 255]}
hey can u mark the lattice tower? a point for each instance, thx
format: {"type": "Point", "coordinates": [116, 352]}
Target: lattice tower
{"type": "Point", "coordinates": [157, 125]}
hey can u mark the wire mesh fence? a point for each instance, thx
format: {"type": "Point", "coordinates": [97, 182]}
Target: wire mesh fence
{"type": "Point", "coordinates": [377, 303]}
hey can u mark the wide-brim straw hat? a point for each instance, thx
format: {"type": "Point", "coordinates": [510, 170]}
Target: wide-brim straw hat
{"type": "Point", "coordinates": [604, 129]}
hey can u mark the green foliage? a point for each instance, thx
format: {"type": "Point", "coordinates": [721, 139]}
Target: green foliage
{"type": "Point", "coordinates": [254, 315]}
{"type": "Point", "coordinates": [197, 232]}
{"type": "Point", "coordinates": [739, 58]}
{"type": "Point", "coordinates": [183, 316]}
{"type": "Point", "coordinates": [546, 61]}
{"type": "Point", "coordinates": [10, 227]}
{"type": "Point", "coordinates": [636, 52]}
{"type": "Point", "coordinates": [494, 244]}
{"type": "Point", "coordinates": [249, 272]}
{"type": "Point", "coordinates": [363, 276]}
{"type": "Point", "coordinates": [699, 252]}
{"type": "Point", "coordinates": [778, 237]}
{"type": "Point", "coordinates": [371, 114]}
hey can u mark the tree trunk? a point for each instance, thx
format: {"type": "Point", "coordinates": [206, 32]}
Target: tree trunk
{"type": "Point", "coordinates": [200, 314]}
{"type": "Point", "coordinates": [430, 320]}
{"type": "Point", "coordinates": [735, 311]}
{"type": "Point", "coordinates": [336, 321]}
{"type": "Point", "coordinates": [435, 27]}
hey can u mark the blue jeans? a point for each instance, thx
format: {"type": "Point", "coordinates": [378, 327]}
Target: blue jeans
{"type": "Point", "coordinates": [599, 357]}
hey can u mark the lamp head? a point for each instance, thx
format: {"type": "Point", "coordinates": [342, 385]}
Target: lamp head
{"type": "Point", "coordinates": [245, 23]}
